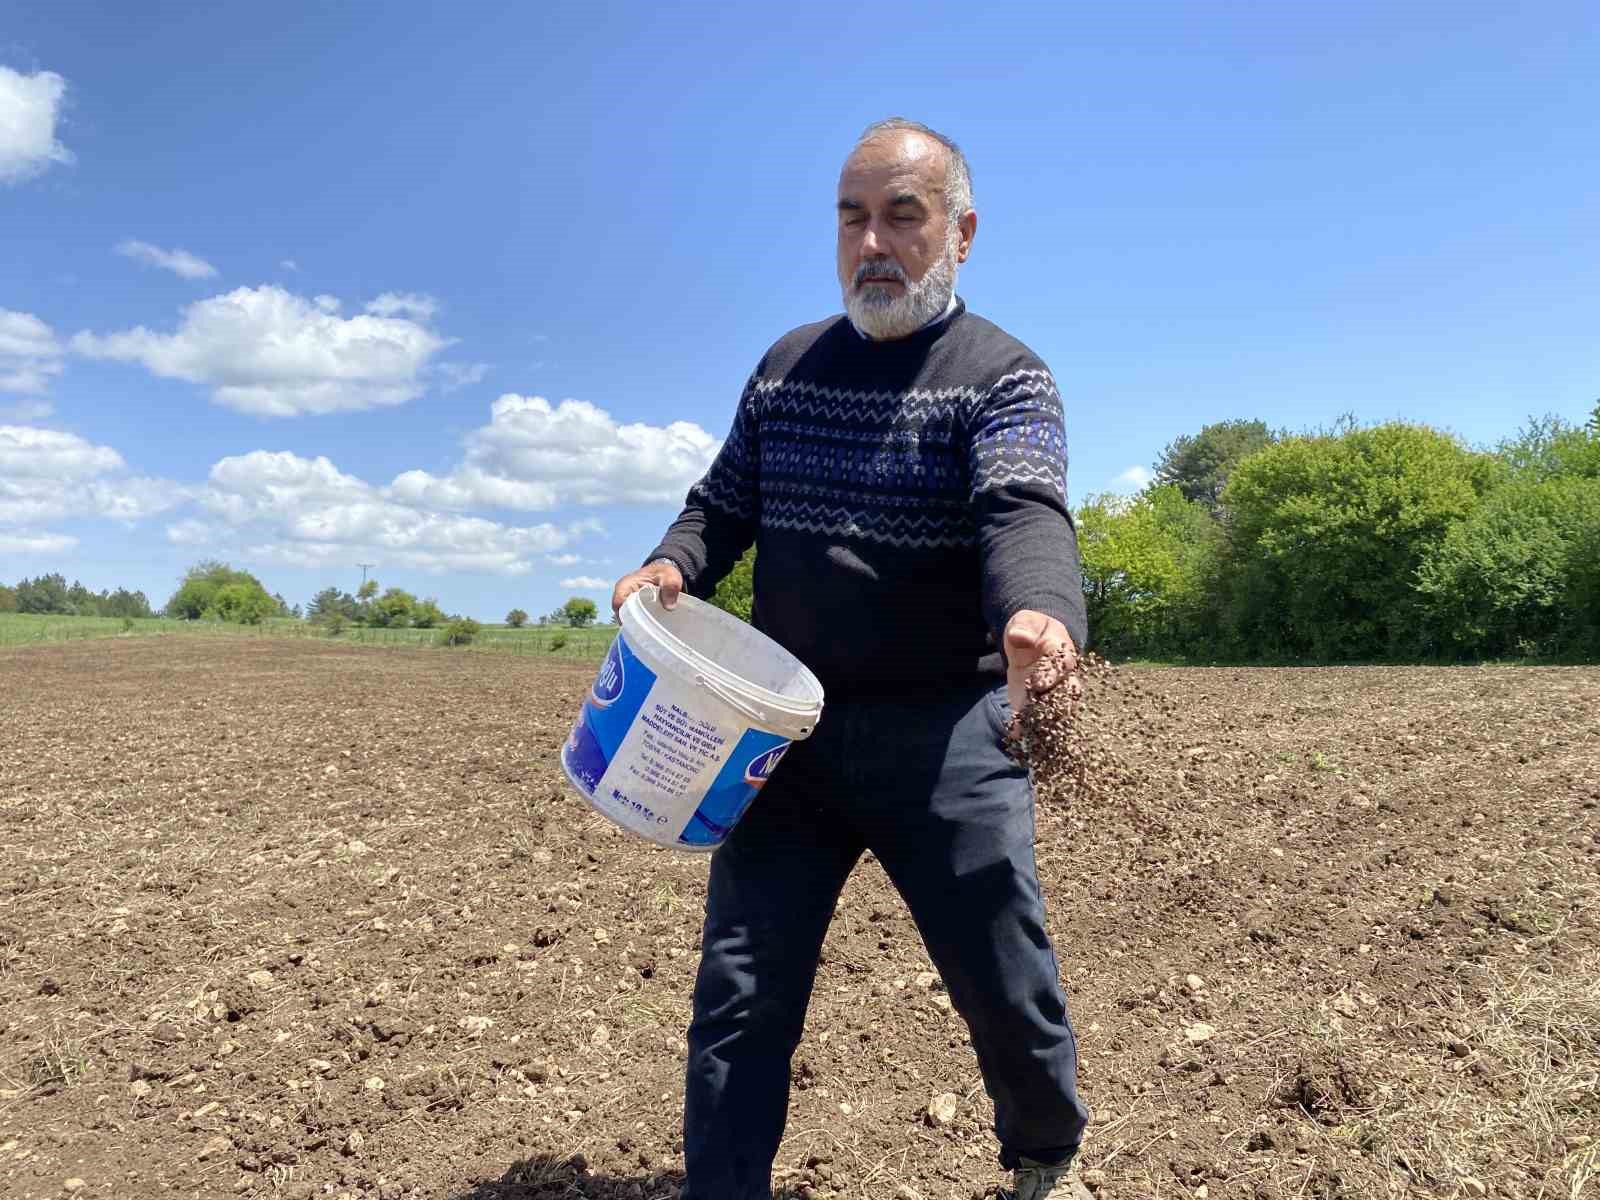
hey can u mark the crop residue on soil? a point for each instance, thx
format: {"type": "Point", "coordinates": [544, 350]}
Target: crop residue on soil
{"type": "Point", "coordinates": [285, 919]}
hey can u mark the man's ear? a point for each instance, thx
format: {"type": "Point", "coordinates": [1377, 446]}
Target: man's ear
{"type": "Point", "coordinates": [966, 230]}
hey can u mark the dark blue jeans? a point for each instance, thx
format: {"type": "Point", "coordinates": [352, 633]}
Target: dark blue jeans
{"type": "Point", "coordinates": [926, 786]}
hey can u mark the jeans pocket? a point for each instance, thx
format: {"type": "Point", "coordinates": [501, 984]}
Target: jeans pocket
{"type": "Point", "coordinates": [997, 704]}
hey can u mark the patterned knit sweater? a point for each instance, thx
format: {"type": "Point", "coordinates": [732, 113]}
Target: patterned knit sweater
{"type": "Point", "coordinates": [905, 497]}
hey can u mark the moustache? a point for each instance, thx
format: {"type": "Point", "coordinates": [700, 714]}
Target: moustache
{"type": "Point", "coordinates": [878, 269]}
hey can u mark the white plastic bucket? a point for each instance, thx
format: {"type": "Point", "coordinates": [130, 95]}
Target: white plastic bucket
{"type": "Point", "coordinates": [688, 717]}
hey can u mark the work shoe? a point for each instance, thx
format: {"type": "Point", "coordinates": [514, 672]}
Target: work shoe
{"type": "Point", "coordinates": [1035, 1181]}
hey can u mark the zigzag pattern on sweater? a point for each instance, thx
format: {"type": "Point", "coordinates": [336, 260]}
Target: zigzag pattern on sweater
{"type": "Point", "coordinates": [763, 387]}
{"type": "Point", "coordinates": [1005, 474]}
{"type": "Point", "coordinates": [919, 435]}
{"type": "Point", "coordinates": [910, 530]}
{"type": "Point", "coordinates": [732, 496]}
{"type": "Point", "coordinates": [872, 409]}
{"type": "Point", "coordinates": [802, 490]}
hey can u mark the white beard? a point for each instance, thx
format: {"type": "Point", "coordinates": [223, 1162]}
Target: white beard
{"type": "Point", "coordinates": [881, 315]}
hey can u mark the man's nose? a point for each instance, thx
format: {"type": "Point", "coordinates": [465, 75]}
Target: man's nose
{"type": "Point", "coordinates": [871, 243]}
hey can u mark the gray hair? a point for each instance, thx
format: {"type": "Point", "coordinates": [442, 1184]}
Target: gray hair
{"type": "Point", "coordinates": [958, 176]}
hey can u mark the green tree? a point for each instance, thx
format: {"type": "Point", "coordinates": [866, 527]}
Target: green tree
{"type": "Point", "coordinates": [1513, 577]}
{"type": "Point", "coordinates": [392, 610]}
{"type": "Point", "coordinates": [1551, 448]}
{"type": "Point", "coordinates": [365, 595]}
{"type": "Point", "coordinates": [123, 603]}
{"type": "Point", "coordinates": [331, 600]}
{"type": "Point", "coordinates": [1583, 589]}
{"type": "Point", "coordinates": [578, 612]}
{"type": "Point", "coordinates": [736, 593]}
{"type": "Point", "coordinates": [241, 603]}
{"type": "Point", "coordinates": [516, 618]}
{"type": "Point", "coordinates": [198, 593]}
{"type": "Point", "coordinates": [46, 594]}
{"type": "Point", "coordinates": [1146, 562]}
{"type": "Point", "coordinates": [427, 614]}
{"type": "Point", "coordinates": [1199, 464]}
{"type": "Point", "coordinates": [8, 599]}
{"type": "Point", "coordinates": [1325, 534]}
{"type": "Point", "coordinates": [81, 601]}
{"type": "Point", "coordinates": [459, 632]}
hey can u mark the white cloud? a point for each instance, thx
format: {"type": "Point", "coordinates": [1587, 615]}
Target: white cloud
{"type": "Point", "coordinates": [563, 560]}
{"type": "Point", "coordinates": [460, 375]}
{"type": "Point", "coordinates": [26, 411]}
{"type": "Point", "coordinates": [289, 264]}
{"type": "Point", "coordinates": [271, 353]}
{"type": "Point", "coordinates": [586, 583]}
{"type": "Point", "coordinates": [30, 355]}
{"type": "Point", "coordinates": [46, 475]}
{"type": "Point", "coordinates": [190, 532]}
{"type": "Point", "coordinates": [1133, 479]}
{"type": "Point", "coordinates": [405, 304]}
{"type": "Point", "coordinates": [534, 455]}
{"type": "Point", "coordinates": [30, 108]}
{"type": "Point", "coordinates": [23, 541]}
{"type": "Point", "coordinates": [305, 512]}
{"type": "Point", "coordinates": [179, 262]}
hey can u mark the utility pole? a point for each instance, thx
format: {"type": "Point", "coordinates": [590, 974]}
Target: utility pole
{"type": "Point", "coordinates": [365, 567]}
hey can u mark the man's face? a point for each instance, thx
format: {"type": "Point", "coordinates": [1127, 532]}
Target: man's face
{"type": "Point", "coordinates": [897, 254]}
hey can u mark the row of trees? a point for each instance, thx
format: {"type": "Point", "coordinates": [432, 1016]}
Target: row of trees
{"type": "Point", "coordinates": [1385, 541]}
{"type": "Point", "coordinates": [576, 613]}
{"type": "Point", "coordinates": [215, 591]}
{"type": "Point", "coordinates": [395, 608]}
{"type": "Point", "coordinates": [50, 594]}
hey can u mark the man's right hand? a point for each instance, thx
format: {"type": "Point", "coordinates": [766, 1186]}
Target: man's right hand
{"type": "Point", "coordinates": [662, 573]}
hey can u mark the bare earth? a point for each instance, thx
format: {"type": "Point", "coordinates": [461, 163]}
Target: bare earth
{"type": "Point", "coordinates": [294, 919]}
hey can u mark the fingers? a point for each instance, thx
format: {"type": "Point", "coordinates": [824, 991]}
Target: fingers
{"type": "Point", "coordinates": [670, 584]}
{"type": "Point", "coordinates": [1032, 635]}
{"type": "Point", "coordinates": [626, 586]}
{"type": "Point", "coordinates": [666, 577]}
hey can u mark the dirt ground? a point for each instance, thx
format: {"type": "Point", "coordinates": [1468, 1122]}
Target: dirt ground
{"type": "Point", "coordinates": [295, 919]}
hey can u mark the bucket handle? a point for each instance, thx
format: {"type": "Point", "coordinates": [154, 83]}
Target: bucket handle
{"type": "Point", "coordinates": [733, 700]}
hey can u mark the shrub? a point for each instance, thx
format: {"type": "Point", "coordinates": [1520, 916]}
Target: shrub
{"type": "Point", "coordinates": [578, 612]}
{"type": "Point", "coordinates": [736, 593]}
{"type": "Point", "coordinates": [1325, 535]}
{"type": "Point", "coordinates": [199, 595]}
{"type": "Point", "coordinates": [392, 610]}
{"type": "Point", "coordinates": [1146, 562]}
{"type": "Point", "coordinates": [557, 640]}
{"type": "Point", "coordinates": [241, 604]}
{"type": "Point", "coordinates": [1511, 577]}
{"type": "Point", "coordinates": [459, 632]}
{"type": "Point", "coordinates": [334, 622]}
{"type": "Point", "coordinates": [427, 614]}
{"type": "Point", "coordinates": [516, 618]}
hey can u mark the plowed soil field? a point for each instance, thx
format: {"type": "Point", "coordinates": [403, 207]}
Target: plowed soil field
{"type": "Point", "coordinates": [293, 919]}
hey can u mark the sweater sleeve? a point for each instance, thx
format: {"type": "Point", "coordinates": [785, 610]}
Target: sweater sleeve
{"type": "Point", "coordinates": [718, 521]}
{"type": "Point", "coordinates": [1026, 539]}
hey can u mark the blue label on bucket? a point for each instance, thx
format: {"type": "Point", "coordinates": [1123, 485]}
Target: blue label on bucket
{"type": "Point", "coordinates": [619, 691]}
{"type": "Point", "coordinates": [747, 769]}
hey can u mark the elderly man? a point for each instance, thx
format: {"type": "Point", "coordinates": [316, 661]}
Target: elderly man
{"type": "Point", "coordinates": [901, 470]}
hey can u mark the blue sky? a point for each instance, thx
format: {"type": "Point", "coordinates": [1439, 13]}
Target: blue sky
{"type": "Point", "coordinates": [469, 292]}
